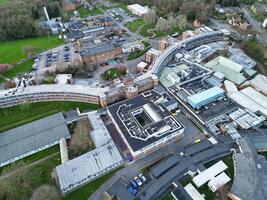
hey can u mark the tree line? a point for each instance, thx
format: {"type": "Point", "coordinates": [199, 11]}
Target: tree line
{"type": "Point", "coordinates": [19, 18]}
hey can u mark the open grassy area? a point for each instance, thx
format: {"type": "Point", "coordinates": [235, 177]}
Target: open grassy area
{"type": "Point", "coordinates": [86, 12]}
{"type": "Point", "coordinates": [31, 178]}
{"type": "Point", "coordinates": [37, 156]}
{"type": "Point", "coordinates": [134, 25]}
{"type": "Point", "coordinates": [18, 115]}
{"type": "Point", "coordinates": [19, 68]}
{"type": "Point", "coordinates": [12, 51]}
{"type": "Point", "coordinates": [113, 73]}
{"type": "Point", "coordinates": [167, 197]}
{"type": "Point", "coordinates": [86, 191]}
{"type": "Point", "coordinates": [3, 1]}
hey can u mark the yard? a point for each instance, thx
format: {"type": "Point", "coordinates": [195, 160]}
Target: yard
{"type": "Point", "coordinates": [18, 115]}
{"type": "Point", "coordinates": [12, 51]}
{"type": "Point", "coordinates": [86, 12]}
{"type": "Point", "coordinates": [113, 73]}
{"type": "Point", "coordinates": [134, 25]}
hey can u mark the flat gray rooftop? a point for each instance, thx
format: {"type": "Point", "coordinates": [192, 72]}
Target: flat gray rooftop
{"type": "Point", "coordinates": [31, 136]}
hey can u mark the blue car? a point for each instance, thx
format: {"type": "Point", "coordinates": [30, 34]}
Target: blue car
{"type": "Point", "coordinates": [132, 190]}
{"type": "Point", "coordinates": [134, 184]}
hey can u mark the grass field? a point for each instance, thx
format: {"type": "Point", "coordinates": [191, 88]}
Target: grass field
{"type": "Point", "coordinates": [3, 1]}
{"type": "Point", "coordinates": [86, 12]}
{"type": "Point", "coordinates": [36, 156]}
{"type": "Point", "coordinates": [18, 115]}
{"type": "Point", "coordinates": [33, 177]}
{"type": "Point", "coordinates": [86, 191]}
{"type": "Point", "coordinates": [12, 51]}
{"type": "Point", "coordinates": [134, 25]}
{"type": "Point", "coordinates": [19, 68]}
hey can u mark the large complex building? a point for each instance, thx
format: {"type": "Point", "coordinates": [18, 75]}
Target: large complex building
{"type": "Point", "coordinates": [31, 138]}
{"type": "Point", "coordinates": [138, 9]}
{"type": "Point", "coordinates": [144, 123]}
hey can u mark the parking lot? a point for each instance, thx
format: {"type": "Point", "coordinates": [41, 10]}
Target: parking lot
{"type": "Point", "coordinates": [60, 56]}
{"type": "Point", "coordinates": [121, 15]}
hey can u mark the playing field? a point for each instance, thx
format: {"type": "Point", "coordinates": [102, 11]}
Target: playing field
{"type": "Point", "coordinates": [12, 51]}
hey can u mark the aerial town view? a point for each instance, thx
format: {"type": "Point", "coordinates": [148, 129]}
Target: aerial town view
{"type": "Point", "coordinates": [133, 99]}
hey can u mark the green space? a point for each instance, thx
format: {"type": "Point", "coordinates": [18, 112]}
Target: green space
{"type": "Point", "coordinates": [2, 1]}
{"type": "Point", "coordinates": [113, 73]}
{"type": "Point", "coordinates": [12, 51]}
{"type": "Point", "coordinates": [260, 57]}
{"type": "Point", "coordinates": [49, 80]}
{"type": "Point", "coordinates": [134, 25]}
{"type": "Point", "coordinates": [22, 183]}
{"type": "Point", "coordinates": [37, 156]}
{"type": "Point", "coordinates": [84, 12]}
{"type": "Point", "coordinates": [86, 191]}
{"type": "Point", "coordinates": [168, 197]}
{"type": "Point", "coordinates": [144, 30]}
{"type": "Point", "coordinates": [19, 68]}
{"type": "Point", "coordinates": [138, 53]}
{"type": "Point", "coordinates": [12, 117]}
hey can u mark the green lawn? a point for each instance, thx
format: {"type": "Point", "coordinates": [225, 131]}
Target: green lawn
{"type": "Point", "coordinates": [167, 197]}
{"type": "Point", "coordinates": [3, 1]}
{"type": "Point", "coordinates": [34, 177]}
{"type": "Point", "coordinates": [86, 191]}
{"type": "Point", "coordinates": [12, 51]}
{"type": "Point", "coordinates": [36, 156]}
{"type": "Point", "coordinates": [113, 73]}
{"type": "Point", "coordinates": [18, 115]}
{"type": "Point", "coordinates": [49, 80]}
{"type": "Point", "coordinates": [134, 25]}
{"type": "Point", "coordinates": [86, 12]}
{"type": "Point", "coordinates": [136, 54]}
{"type": "Point", "coordinates": [19, 68]}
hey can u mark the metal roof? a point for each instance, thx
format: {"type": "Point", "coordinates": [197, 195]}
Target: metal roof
{"type": "Point", "coordinates": [88, 166]}
{"type": "Point", "coordinates": [31, 136]}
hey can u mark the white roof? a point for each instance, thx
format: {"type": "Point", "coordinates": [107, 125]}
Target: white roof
{"type": "Point", "coordinates": [88, 166]}
{"type": "Point", "coordinates": [138, 8]}
{"type": "Point", "coordinates": [155, 117]}
{"type": "Point", "coordinates": [193, 193]}
{"type": "Point", "coordinates": [63, 78]}
{"type": "Point", "coordinates": [230, 87]}
{"type": "Point", "coordinates": [256, 96]}
{"type": "Point", "coordinates": [247, 102]}
{"type": "Point", "coordinates": [99, 134]}
{"type": "Point", "coordinates": [142, 64]}
{"type": "Point", "coordinates": [209, 173]}
{"type": "Point", "coordinates": [218, 181]}
{"type": "Point", "coordinates": [259, 82]}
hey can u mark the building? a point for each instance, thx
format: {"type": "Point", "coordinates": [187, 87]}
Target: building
{"type": "Point", "coordinates": [138, 10]}
{"type": "Point", "coordinates": [31, 138]}
{"type": "Point", "coordinates": [118, 191]}
{"type": "Point", "coordinates": [100, 54]}
{"type": "Point", "coordinates": [193, 193]}
{"type": "Point", "coordinates": [87, 167]}
{"type": "Point", "coordinates": [230, 69]}
{"type": "Point", "coordinates": [70, 5]}
{"type": "Point", "coordinates": [151, 55]}
{"type": "Point", "coordinates": [219, 181]}
{"type": "Point", "coordinates": [201, 99]}
{"type": "Point", "coordinates": [209, 174]}
{"type": "Point", "coordinates": [143, 124]}
{"type": "Point", "coordinates": [141, 67]}
{"type": "Point", "coordinates": [64, 79]}
{"type": "Point", "coordinates": [132, 46]}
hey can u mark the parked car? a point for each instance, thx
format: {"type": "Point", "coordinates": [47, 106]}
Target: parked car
{"type": "Point", "coordinates": [138, 181]}
{"type": "Point", "coordinates": [142, 177]}
{"type": "Point", "coordinates": [134, 184]}
{"type": "Point", "coordinates": [132, 190]}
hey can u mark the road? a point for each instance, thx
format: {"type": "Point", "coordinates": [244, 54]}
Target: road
{"type": "Point", "coordinates": [262, 35]}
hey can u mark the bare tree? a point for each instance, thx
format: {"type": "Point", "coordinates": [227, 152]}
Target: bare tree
{"type": "Point", "coordinates": [9, 84]}
{"type": "Point", "coordinates": [162, 25]}
{"type": "Point", "coordinates": [182, 21]}
{"type": "Point", "coordinates": [151, 17]}
{"type": "Point", "coordinates": [29, 51]}
{"type": "Point", "coordinates": [81, 141]}
{"type": "Point", "coordinates": [45, 192]}
{"type": "Point", "coordinates": [172, 21]}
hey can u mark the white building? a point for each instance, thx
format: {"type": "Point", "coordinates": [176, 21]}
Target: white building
{"type": "Point", "coordinates": [132, 46]}
{"type": "Point", "coordinates": [138, 9]}
{"type": "Point", "coordinates": [63, 79]}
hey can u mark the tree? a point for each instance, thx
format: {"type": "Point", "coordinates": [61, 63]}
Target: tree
{"type": "Point", "coordinates": [172, 21]}
{"type": "Point", "coordinates": [4, 68]}
{"type": "Point", "coordinates": [151, 17]}
{"type": "Point", "coordinates": [9, 84]}
{"type": "Point", "coordinates": [29, 51]}
{"type": "Point", "coordinates": [81, 141]}
{"type": "Point", "coordinates": [45, 192]}
{"type": "Point", "coordinates": [162, 25]}
{"type": "Point", "coordinates": [182, 21]}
